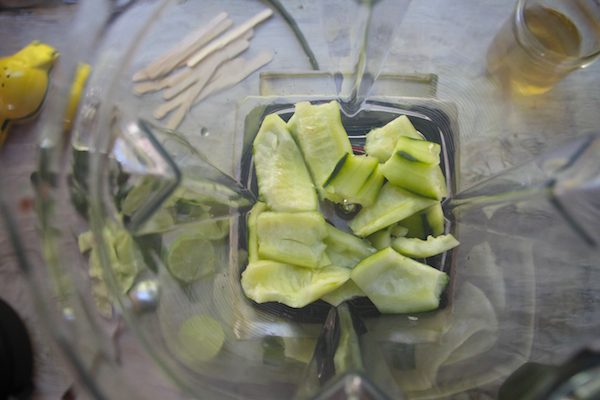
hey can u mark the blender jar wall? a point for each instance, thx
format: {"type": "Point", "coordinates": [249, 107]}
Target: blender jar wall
{"type": "Point", "coordinates": [485, 333]}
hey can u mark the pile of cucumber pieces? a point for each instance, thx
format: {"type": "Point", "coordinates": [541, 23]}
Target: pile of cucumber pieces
{"type": "Point", "coordinates": [296, 257]}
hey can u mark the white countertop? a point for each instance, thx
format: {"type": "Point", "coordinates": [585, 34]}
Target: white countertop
{"type": "Point", "coordinates": [437, 36]}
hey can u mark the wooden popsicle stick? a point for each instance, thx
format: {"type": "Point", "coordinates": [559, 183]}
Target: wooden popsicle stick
{"type": "Point", "coordinates": [186, 47]}
{"type": "Point", "coordinates": [145, 87]}
{"type": "Point", "coordinates": [228, 67]}
{"type": "Point", "coordinates": [187, 42]}
{"type": "Point", "coordinates": [229, 37]}
{"type": "Point", "coordinates": [153, 86]}
{"type": "Point", "coordinates": [174, 79]}
{"type": "Point", "coordinates": [184, 74]}
{"type": "Point", "coordinates": [231, 75]}
{"type": "Point", "coordinates": [208, 66]}
{"type": "Point", "coordinates": [228, 79]}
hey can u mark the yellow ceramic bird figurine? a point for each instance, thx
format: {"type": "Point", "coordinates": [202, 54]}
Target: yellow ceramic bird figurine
{"type": "Point", "coordinates": [24, 81]}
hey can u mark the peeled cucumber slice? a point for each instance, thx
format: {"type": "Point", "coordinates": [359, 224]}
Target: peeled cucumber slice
{"type": "Point", "coordinates": [291, 285]}
{"type": "Point", "coordinates": [283, 178]}
{"type": "Point", "coordinates": [415, 226]}
{"type": "Point", "coordinates": [292, 238]}
{"type": "Point", "coordinates": [381, 142]}
{"type": "Point", "coordinates": [392, 205]}
{"type": "Point", "coordinates": [434, 216]}
{"type": "Point", "coordinates": [322, 139]}
{"type": "Point", "coordinates": [398, 231]}
{"type": "Point", "coordinates": [355, 179]}
{"type": "Point", "coordinates": [417, 248]}
{"type": "Point", "coordinates": [383, 238]}
{"type": "Point", "coordinates": [347, 291]}
{"type": "Point", "coordinates": [346, 250]}
{"type": "Point", "coordinates": [423, 179]}
{"type": "Point", "coordinates": [398, 284]}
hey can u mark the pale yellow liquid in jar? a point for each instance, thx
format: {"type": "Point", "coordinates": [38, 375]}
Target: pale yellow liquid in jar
{"type": "Point", "coordinates": [520, 67]}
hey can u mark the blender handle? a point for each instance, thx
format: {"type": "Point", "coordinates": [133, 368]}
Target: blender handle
{"type": "Point", "coordinates": [16, 355]}
{"type": "Point", "coordinates": [578, 377]}
{"type": "Point", "coordinates": [347, 362]}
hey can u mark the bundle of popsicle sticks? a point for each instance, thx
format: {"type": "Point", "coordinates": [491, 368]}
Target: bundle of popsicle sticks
{"type": "Point", "coordinates": [201, 64]}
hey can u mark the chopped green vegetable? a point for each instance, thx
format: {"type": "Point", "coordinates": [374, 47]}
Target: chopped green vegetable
{"type": "Point", "coordinates": [137, 196]}
{"type": "Point", "coordinates": [86, 241]}
{"type": "Point", "coordinates": [347, 291]}
{"type": "Point", "coordinates": [344, 249]}
{"type": "Point", "coordinates": [392, 205]}
{"type": "Point", "coordinates": [381, 142]}
{"type": "Point", "coordinates": [295, 257]}
{"type": "Point", "coordinates": [398, 231]}
{"type": "Point", "coordinates": [293, 238]}
{"type": "Point", "coordinates": [356, 180]}
{"type": "Point", "coordinates": [383, 238]}
{"type": "Point", "coordinates": [256, 210]}
{"type": "Point", "coordinates": [418, 150]}
{"type": "Point", "coordinates": [319, 132]}
{"type": "Point", "coordinates": [423, 179]}
{"type": "Point", "coordinates": [126, 261]}
{"type": "Point", "coordinates": [397, 284]}
{"type": "Point", "coordinates": [434, 216]}
{"type": "Point", "coordinates": [299, 348]}
{"type": "Point", "coordinates": [283, 179]}
{"type": "Point", "coordinates": [415, 226]}
{"type": "Point", "coordinates": [294, 286]}
{"type": "Point", "coordinates": [417, 248]}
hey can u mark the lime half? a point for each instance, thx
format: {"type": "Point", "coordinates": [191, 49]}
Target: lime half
{"type": "Point", "coordinates": [200, 338]}
{"type": "Point", "coordinates": [191, 258]}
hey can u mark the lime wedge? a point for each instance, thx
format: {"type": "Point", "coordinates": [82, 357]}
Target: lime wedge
{"type": "Point", "coordinates": [200, 338]}
{"type": "Point", "coordinates": [191, 258]}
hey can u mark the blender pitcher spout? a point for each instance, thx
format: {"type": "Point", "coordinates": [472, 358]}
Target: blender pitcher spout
{"type": "Point", "coordinates": [552, 199]}
{"type": "Point", "coordinates": [359, 36]}
{"type": "Point", "coordinates": [161, 181]}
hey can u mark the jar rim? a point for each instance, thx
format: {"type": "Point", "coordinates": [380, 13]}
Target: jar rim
{"type": "Point", "coordinates": [536, 49]}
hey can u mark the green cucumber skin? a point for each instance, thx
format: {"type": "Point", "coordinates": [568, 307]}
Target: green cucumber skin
{"type": "Point", "coordinates": [322, 139]}
{"type": "Point", "coordinates": [284, 181]}
{"type": "Point", "coordinates": [392, 205]}
{"type": "Point", "coordinates": [338, 167]}
{"type": "Point", "coordinates": [381, 142]}
{"type": "Point", "coordinates": [398, 284]}
{"type": "Point", "coordinates": [423, 179]}
{"type": "Point", "coordinates": [370, 190]}
{"type": "Point", "coordinates": [357, 181]}
{"type": "Point", "coordinates": [417, 248]}
{"type": "Point", "coordinates": [418, 150]}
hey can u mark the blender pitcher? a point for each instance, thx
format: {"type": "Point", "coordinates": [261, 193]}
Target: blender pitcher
{"type": "Point", "coordinates": [127, 198]}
